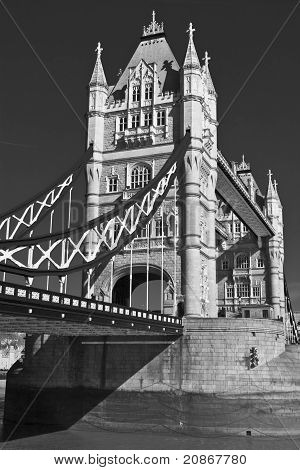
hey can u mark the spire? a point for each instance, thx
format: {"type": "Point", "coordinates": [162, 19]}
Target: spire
{"type": "Point", "coordinates": [277, 195]}
{"type": "Point", "coordinates": [191, 60]}
{"type": "Point", "coordinates": [271, 193]}
{"type": "Point", "coordinates": [98, 77]}
{"type": "Point", "coordinates": [208, 79]}
{"type": "Point", "coordinates": [153, 28]}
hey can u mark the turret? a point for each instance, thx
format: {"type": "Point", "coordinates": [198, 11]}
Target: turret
{"type": "Point", "coordinates": [276, 249]}
{"type": "Point", "coordinates": [98, 92]}
{"type": "Point", "coordinates": [192, 90]}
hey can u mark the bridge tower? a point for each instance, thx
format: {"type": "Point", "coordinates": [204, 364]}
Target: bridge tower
{"type": "Point", "coordinates": [276, 249]}
{"type": "Point", "coordinates": [134, 131]}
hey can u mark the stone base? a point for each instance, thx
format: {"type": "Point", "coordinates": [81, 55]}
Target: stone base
{"type": "Point", "coordinates": [202, 379]}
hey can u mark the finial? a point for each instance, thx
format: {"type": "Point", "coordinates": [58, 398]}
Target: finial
{"type": "Point", "coordinates": [206, 59]}
{"type": "Point", "coordinates": [243, 158]}
{"type": "Point", "coordinates": [275, 185]}
{"type": "Point", "coordinates": [191, 30]}
{"type": "Point", "coordinates": [154, 27]}
{"type": "Point", "coordinates": [120, 71]}
{"type": "Point", "coordinates": [270, 174]}
{"type": "Point", "coordinates": [99, 49]}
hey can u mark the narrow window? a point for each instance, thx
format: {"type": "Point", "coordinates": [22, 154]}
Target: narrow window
{"type": "Point", "coordinates": [265, 314]}
{"type": "Point", "coordinates": [225, 264]}
{"type": "Point", "coordinates": [247, 313]}
{"type": "Point", "coordinates": [136, 93]}
{"type": "Point", "coordinates": [135, 120]}
{"type": "Point", "coordinates": [260, 263]}
{"type": "Point", "coordinates": [237, 227]}
{"type": "Point", "coordinates": [158, 228]}
{"type": "Point", "coordinates": [161, 118]}
{"type": "Point", "coordinates": [122, 123]}
{"type": "Point", "coordinates": [148, 119]}
{"type": "Point", "coordinates": [256, 291]}
{"type": "Point", "coordinates": [242, 289]}
{"type": "Point", "coordinates": [113, 184]}
{"type": "Point", "coordinates": [229, 292]}
{"type": "Point", "coordinates": [148, 92]}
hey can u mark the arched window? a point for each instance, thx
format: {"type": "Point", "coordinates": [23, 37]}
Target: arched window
{"type": "Point", "coordinates": [242, 262]}
{"type": "Point", "coordinates": [140, 176]}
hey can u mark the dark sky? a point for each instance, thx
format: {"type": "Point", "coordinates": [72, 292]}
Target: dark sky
{"type": "Point", "coordinates": [41, 136]}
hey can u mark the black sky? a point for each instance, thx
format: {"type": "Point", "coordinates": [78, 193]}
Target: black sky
{"type": "Point", "coordinates": [41, 136]}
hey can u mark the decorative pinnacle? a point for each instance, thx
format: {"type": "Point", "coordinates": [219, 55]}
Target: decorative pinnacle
{"type": "Point", "coordinates": [275, 185]}
{"type": "Point", "coordinates": [206, 59]}
{"type": "Point", "coordinates": [191, 31]}
{"type": "Point", "coordinates": [270, 174]}
{"type": "Point", "coordinates": [154, 27]}
{"type": "Point", "coordinates": [99, 49]}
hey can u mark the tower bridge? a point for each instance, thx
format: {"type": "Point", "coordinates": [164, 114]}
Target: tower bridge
{"type": "Point", "coordinates": [181, 254]}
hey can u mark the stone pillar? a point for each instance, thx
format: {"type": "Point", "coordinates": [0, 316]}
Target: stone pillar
{"type": "Point", "coordinates": [191, 273]}
{"type": "Point", "coordinates": [274, 285]}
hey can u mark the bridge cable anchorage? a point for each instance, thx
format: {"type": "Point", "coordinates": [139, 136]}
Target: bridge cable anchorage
{"type": "Point", "coordinates": [292, 333]}
{"type": "Point", "coordinates": [112, 231]}
{"type": "Point", "coordinates": [20, 220]}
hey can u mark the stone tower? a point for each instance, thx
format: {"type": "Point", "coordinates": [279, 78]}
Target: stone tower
{"type": "Point", "coordinates": [206, 258]}
{"type": "Point", "coordinates": [135, 125]}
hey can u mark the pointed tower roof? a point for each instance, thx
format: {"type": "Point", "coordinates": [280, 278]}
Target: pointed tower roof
{"type": "Point", "coordinates": [207, 75]}
{"type": "Point", "coordinates": [271, 193]}
{"type": "Point", "coordinates": [275, 189]}
{"type": "Point", "coordinates": [153, 48]}
{"type": "Point", "coordinates": [98, 77]}
{"type": "Point", "coordinates": [191, 60]}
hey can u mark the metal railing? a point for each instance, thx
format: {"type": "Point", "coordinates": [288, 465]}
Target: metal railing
{"type": "Point", "coordinates": [72, 303]}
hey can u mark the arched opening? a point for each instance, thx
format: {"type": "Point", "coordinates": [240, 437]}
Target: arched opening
{"type": "Point", "coordinates": [121, 289]}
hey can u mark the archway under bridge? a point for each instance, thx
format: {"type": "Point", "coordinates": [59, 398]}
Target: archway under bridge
{"type": "Point", "coordinates": [121, 288]}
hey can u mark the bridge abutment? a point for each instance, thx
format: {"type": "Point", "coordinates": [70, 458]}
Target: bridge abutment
{"type": "Point", "coordinates": [65, 380]}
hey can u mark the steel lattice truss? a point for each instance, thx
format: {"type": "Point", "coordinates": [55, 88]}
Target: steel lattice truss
{"type": "Point", "coordinates": [24, 218]}
{"type": "Point", "coordinates": [100, 239]}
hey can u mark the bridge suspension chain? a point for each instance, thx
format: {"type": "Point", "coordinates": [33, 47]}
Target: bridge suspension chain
{"type": "Point", "coordinates": [110, 232]}
{"type": "Point", "coordinates": [21, 220]}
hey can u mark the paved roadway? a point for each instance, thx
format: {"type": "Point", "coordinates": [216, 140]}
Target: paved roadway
{"type": "Point", "coordinates": [85, 437]}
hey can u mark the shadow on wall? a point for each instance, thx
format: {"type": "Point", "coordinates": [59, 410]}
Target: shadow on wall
{"type": "Point", "coordinates": [66, 377]}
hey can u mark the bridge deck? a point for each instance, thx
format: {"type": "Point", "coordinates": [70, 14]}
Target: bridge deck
{"type": "Point", "coordinates": [30, 310]}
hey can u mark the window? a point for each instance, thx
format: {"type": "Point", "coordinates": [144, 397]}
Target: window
{"type": "Point", "coordinates": [116, 230]}
{"type": "Point", "coordinates": [247, 313]}
{"type": "Point", "coordinates": [148, 92]}
{"type": "Point", "coordinates": [136, 93]}
{"type": "Point", "coordinates": [256, 291]}
{"type": "Point", "coordinates": [229, 292]}
{"type": "Point", "coordinates": [244, 228]}
{"type": "Point", "coordinates": [140, 176]}
{"type": "Point", "coordinates": [158, 228]}
{"type": "Point", "coordinates": [143, 233]}
{"type": "Point", "coordinates": [225, 264]}
{"type": "Point", "coordinates": [148, 119]}
{"type": "Point", "coordinates": [122, 123]}
{"type": "Point", "coordinates": [237, 226]}
{"type": "Point", "coordinates": [242, 289]}
{"type": "Point", "coordinates": [160, 118]}
{"type": "Point", "coordinates": [112, 186]}
{"type": "Point", "coordinates": [230, 228]}
{"type": "Point", "coordinates": [242, 262]}
{"type": "Point", "coordinates": [260, 263]}
{"type": "Point", "coordinates": [265, 314]}
{"type": "Point", "coordinates": [135, 120]}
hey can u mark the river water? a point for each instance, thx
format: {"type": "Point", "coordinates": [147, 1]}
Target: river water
{"type": "Point", "coordinates": [86, 437]}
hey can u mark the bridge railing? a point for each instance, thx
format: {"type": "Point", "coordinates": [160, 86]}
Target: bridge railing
{"type": "Point", "coordinates": [89, 306]}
